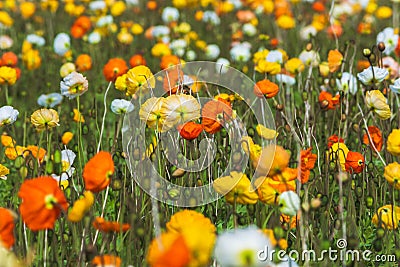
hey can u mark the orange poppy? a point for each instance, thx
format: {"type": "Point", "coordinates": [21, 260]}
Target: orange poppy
{"type": "Point", "coordinates": [335, 30]}
{"type": "Point", "coordinates": [77, 32]}
{"type": "Point", "coordinates": [354, 162]}
{"type": "Point", "coordinates": [333, 139]}
{"type": "Point", "coordinates": [266, 88]}
{"type": "Point", "coordinates": [376, 137]}
{"type": "Point", "coordinates": [9, 59]}
{"type": "Point", "coordinates": [318, 6]}
{"type": "Point", "coordinates": [307, 163]}
{"type": "Point", "coordinates": [151, 5]}
{"type": "Point", "coordinates": [169, 61]}
{"type": "Point", "coordinates": [137, 60]}
{"type": "Point", "coordinates": [214, 113]}
{"type": "Point", "coordinates": [245, 16]}
{"type": "Point", "coordinates": [106, 226]}
{"type": "Point", "coordinates": [36, 152]}
{"type": "Point", "coordinates": [335, 59]}
{"type": "Point", "coordinates": [83, 63]}
{"type": "Point", "coordinates": [293, 220]}
{"type": "Point", "coordinates": [363, 64]}
{"type": "Point", "coordinates": [7, 225]}
{"type": "Point", "coordinates": [172, 79]}
{"type": "Point", "coordinates": [107, 260]}
{"type": "Point", "coordinates": [114, 68]}
{"type": "Point", "coordinates": [327, 101]}
{"type": "Point", "coordinates": [97, 172]}
{"type": "Point", "coordinates": [169, 249]}
{"type": "Point", "coordinates": [80, 27]}
{"type": "Point", "coordinates": [397, 49]}
{"type": "Point", "coordinates": [42, 202]}
{"type": "Point", "coordinates": [190, 130]}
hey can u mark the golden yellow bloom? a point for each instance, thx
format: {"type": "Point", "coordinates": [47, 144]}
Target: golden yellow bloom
{"type": "Point", "coordinates": [378, 103]}
{"type": "Point", "coordinates": [26, 46]}
{"type": "Point", "coordinates": [286, 22]}
{"type": "Point", "coordinates": [260, 55]}
{"type": "Point", "coordinates": [264, 66]}
{"type": "Point", "coordinates": [44, 119]}
{"type": "Point", "coordinates": [66, 138]}
{"type": "Point", "coordinates": [136, 29]}
{"type": "Point", "coordinates": [27, 9]}
{"type": "Point", "coordinates": [294, 65]}
{"type": "Point", "coordinates": [78, 117]}
{"type": "Point", "coordinates": [8, 75]}
{"type": "Point", "coordinates": [32, 59]}
{"type": "Point", "coordinates": [7, 141]}
{"type": "Point", "coordinates": [371, 7]}
{"type": "Point", "coordinates": [201, 44]}
{"type": "Point", "coordinates": [236, 187]}
{"type": "Point", "coordinates": [125, 37]}
{"type": "Point", "coordinates": [120, 83]}
{"type": "Point", "coordinates": [392, 174]}
{"type": "Point", "coordinates": [180, 108]}
{"type": "Point", "coordinates": [198, 232]}
{"type": "Point", "coordinates": [3, 172]}
{"type": "Point", "coordinates": [383, 12]}
{"type": "Point", "coordinates": [393, 142]}
{"type": "Point", "coordinates": [151, 113]}
{"type": "Point", "coordinates": [160, 49]}
{"type": "Point", "coordinates": [324, 69]}
{"type": "Point", "coordinates": [265, 132]}
{"type": "Point", "coordinates": [118, 8]}
{"type": "Point", "coordinates": [5, 19]}
{"type": "Point", "coordinates": [273, 160]}
{"type": "Point", "coordinates": [269, 190]}
{"type": "Point", "coordinates": [51, 5]}
{"type": "Point", "coordinates": [338, 153]}
{"type": "Point", "coordinates": [13, 152]}
{"type": "Point", "coordinates": [251, 149]}
{"type": "Point", "coordinates": [139, 77]}
{"type": "Point", "coordinates": [81, 207]}
{"type": "Point", "coordinates": [386, 217]}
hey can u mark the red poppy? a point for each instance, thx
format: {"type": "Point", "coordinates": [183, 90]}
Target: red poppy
{"type": "Point", "coordinates": [214, 113]}
{"type": "Point", "coordinates": [137, 60]}
{"type": "Point", "coordinates": [114, 68]}
{"type": "Point", "coordinates": [42, 202]}
{"type": "Point", "coordinates": [266, 88]}
{"type": "Point", "coordinates": [318, 6]}
{"type": "Point", "coordinates": [169, 61]}
{"type": "Point", "coordinates": [7, 225]}
{"type": "Point", "coordinates": [97, 172]}
{"type": "Point", "coordinates": [327, 101]}
{"type": "Point", "coordinates": [106, 226]}
{"type": "Point", "coordinates": [307, 163]}
{"type": "Point", "coordinates": [354, 162]}
{"type": "Point", "coordinates": [83, 63]}
{"type": "Point", "coordinates": [190, 130]}
{"type": "Point", "coordinates": [9, 59]}
{"type": "Point", "coordinates": [333, 139]}
{"type": "Point", "coordinates": [376, 137]}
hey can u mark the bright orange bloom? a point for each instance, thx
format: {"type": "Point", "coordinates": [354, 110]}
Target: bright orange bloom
{"type": "Point", "coordinates": [137, 60]}
{"type": "Point", "coordinates": [7, 225]}
{"type": "Point", "coordinates": [169, 61]}
{"type": "Point", "coordinates": [7, 141]}
{"type": "Point", "coordinates": [42, 202]}
{"type": "Point", "coordinates": [169, 249]}
{"type": "Point", "coordinates": [190, 130]}
{"type": "Point", "coordinates": [333, 139]}
{"type": "Point", "coordinates": [376, 137]}
{"type": "Point", "coordinates": [214, 113]}
{"type": "Point", "coordinates": [307, 163]}
{"type": "Point", "coordinates": [266, 88]}
{"type": "Point", "coordinates": [36, 152]}
{"type": "Point", "coordinates": [327, 101]}
{"type": "Point", "coordinates": [318, 6]}
{"type": "Point", "coordinates": [362, 65]}
{"type": "Point", "coordinates": [269, 190]}
{"type": "Point", "coordinates": [97, 172]}
{"type": "Point", "coordinates": [80, 27]}
{"type": "Point", "coordinates": [151, 5]}
{"type": "Point", "coordinates": [9, 59]}
{"type": "Point", "coordinates": [113, 68]}
{"type": "Point", "coordinates": [105, 226]}
{"type": "Point", "coordinates": [354, 162]}
{"type": "Point", "coordinates": [77, 32]}
{"type": "Point", "coordinates": [335, 29]}
{"type": "Point", "coordinates": [286, 219]}
{"type": "Point", "coordinates": [106, 260]}
{"type": "Point", "coordinates": [66, 138]}
{"type": "Point", "coordinates": [245, 16]}
{"type": "Point", "coordinates": [83, 63]}
{"type": "Point", "coordinates": [335, 59]}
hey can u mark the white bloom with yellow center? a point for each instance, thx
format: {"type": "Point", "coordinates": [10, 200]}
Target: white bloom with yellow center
{"type": "Point", "coordinates": [67, 159]}
{"type": "Point", "coordinates": [241, 247]}
{"type": "Point", "coordinates": [8, 115]}
{"type": "Point", "coordinates": [372, 75]}
{"type": "Point", "coordinates": [289, 203]}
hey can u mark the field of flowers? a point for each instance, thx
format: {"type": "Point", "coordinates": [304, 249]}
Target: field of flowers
{"type": "Point", "coordinates": [236, 133]}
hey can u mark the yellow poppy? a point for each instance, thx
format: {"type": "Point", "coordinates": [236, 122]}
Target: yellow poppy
{"type": "Point", "coordinates": [236, 187]}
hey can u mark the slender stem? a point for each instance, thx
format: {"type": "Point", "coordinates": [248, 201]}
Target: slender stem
{"type": "Point", "coordinates": [45, 249]}
{"type": "Point", "coordinates": [104, 116]}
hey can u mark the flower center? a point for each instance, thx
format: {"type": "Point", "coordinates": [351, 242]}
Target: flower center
{"type": "Point", "coordinates": [49, 201]}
